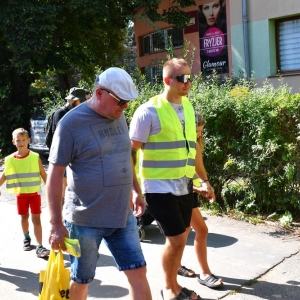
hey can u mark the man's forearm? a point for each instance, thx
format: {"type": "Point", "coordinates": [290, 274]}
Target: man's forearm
{"type": "Point", "coordinates": [54, 188]}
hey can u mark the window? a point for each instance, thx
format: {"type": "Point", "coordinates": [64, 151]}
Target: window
{"type": "Point", "coordinates": [288, 45]}
{"type": "Point", "coordinates": [154, 74]}
{"type": "Point", "coordinates": [176, 37]}
{"type": "Point", "coordinates": [146, 44]}
{"type": "Point", "coordinates": [158, 41]}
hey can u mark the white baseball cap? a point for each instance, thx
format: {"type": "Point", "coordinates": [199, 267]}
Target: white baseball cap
{"type": "Point", "coordinates": [118, 81]}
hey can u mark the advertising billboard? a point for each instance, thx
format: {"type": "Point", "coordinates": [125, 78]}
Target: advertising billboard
{"type": "Point", "coordinates": [213, 37]}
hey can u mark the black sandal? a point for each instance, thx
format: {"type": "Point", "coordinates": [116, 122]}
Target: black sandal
{"type": "Point", "coordinates": [210, 282]}
{"type": "Point", "coordinates": [184, 294]}
{"type": "Point", "coordinates": [183, 271]}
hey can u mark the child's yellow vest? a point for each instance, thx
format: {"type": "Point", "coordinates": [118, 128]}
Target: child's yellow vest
{"type": "Point", "coordinates": [22, 175]}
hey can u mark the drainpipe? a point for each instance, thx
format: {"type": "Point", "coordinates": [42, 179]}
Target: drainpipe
{"type": "Point", "coordinates": [245, 34]}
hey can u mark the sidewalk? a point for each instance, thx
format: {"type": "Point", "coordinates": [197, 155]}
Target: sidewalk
{"type": "Point", "coordinates": [237, 251]}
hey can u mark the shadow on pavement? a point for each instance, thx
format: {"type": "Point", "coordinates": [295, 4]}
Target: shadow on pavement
{"type": "Point", "coordinates": [20, 278]}
{"type": "Point", "coordinates": [99, 291]}
{"type": "Point", "coordinates": [269, 290]}
{"type": "Point", "coordinates": [214, 240]}
{"type": "Point", "coordinates": [106, 291]}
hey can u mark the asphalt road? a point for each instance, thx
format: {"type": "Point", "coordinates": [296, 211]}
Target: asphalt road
{"type": "Point", "coordinates": [255, 261]}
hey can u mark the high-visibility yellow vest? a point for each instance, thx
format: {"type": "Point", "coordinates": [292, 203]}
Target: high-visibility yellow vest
{"type": "Point", "coordinates": [168, 154]}
{"type": "Point", "coordinates": [22, 175]}
{"type": "Point", "coordinates": [196, 180]}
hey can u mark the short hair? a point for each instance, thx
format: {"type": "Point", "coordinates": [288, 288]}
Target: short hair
{"type": "Point", "coordinates": [21, 131]}
{"type": "Point", "coordinates": [87, 92]}
{"type": "Point", "coordinates": [169, 65]}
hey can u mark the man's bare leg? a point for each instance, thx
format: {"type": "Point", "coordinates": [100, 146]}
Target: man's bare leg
{"type": "Point", "coordinates": [78, 291]}
{"type": "Point", "coordinates": [138, 284]}
{"type": "Point", "coordinates": [171, 257]}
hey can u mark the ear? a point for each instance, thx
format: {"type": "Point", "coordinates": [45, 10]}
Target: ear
{"type": "Point", "coordinates": [99, 93]}
{"type": "Point", "coordinates": [167, 80]}
{"type": "Point", "coordinates": [13, 141]}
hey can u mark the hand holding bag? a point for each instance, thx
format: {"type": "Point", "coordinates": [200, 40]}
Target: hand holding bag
{"type": "Point", "coordinates": [55, 280]}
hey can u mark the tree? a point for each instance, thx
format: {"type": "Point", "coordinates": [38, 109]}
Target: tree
{"type": "Point", "coordinates": [67, 37]}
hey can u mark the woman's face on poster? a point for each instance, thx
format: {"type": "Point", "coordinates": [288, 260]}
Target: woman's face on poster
{"type": "Point", "coordinates": [211, 11]}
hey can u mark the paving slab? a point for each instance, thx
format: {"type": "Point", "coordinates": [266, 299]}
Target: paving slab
{"type": "Point", "coordinates": [281, 282]}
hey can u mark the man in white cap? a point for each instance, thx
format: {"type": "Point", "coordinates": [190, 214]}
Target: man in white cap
{"type": "Point", "coordinates": [93, 141]}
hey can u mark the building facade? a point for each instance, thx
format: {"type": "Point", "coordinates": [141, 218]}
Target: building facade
{"type": "Point", "coordinates": [258, 38]}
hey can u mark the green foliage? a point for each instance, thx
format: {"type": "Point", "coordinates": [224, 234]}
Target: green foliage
{"type": "Point", "coordinates": [286, 219]}
{"type": "Point", "coordinates": [213, 208]}
{"type": "Point", "coordinates": [255, 220]}
{"type": "Point", "coordinates": [252, 144]}
{"type": "Point", "coordinates": [70, 39]}
{"type": "Point", "coordinates": [173, 15]}
{"type": "Point", "coordinates": [145, 89]}
{"type": "Point", "coordinates": [252, 135]}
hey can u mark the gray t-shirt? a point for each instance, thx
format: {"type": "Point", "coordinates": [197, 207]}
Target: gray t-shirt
{"type": "Point", "coordinates": [145, 122]}
{"type": "Point", "coordinates": [97, 152]}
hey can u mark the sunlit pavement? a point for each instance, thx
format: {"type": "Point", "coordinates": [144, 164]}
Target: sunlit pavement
{"type": "Point", "coordinates": [237, 251]}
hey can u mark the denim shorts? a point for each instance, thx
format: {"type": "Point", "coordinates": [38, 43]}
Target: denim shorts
{"type": "Point", "coordinates": [123, 243]}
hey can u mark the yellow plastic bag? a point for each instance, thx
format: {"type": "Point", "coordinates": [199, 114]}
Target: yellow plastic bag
{"type": "Point", "coordinates": [55, 280]}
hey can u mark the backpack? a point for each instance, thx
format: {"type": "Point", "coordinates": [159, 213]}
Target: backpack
{"type": "Point", "coordinates": [49, 131]}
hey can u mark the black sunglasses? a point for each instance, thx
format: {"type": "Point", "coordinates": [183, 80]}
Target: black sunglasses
{"type": "Point", "coordinates": [183, 78]}
{"type": "Point", "coordinates": [121, 101]}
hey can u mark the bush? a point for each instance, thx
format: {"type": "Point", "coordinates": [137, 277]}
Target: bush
{"type": "Point", "coordinates": [252, 141]}
{"type": "Point", "coordinates": [252, 144]}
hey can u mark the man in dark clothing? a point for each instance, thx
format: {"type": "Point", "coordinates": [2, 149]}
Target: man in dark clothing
{"type": "Point", "coordinates": [87, 94]}
{"type": "Point", "coordinates": [75, 97]}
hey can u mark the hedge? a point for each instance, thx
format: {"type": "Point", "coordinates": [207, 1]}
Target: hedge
{"type": "Point", "coordinates": [252, 141]}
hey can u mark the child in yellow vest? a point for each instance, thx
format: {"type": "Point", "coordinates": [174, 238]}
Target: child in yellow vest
{"type": "Point", "coordinates": [23, 172]}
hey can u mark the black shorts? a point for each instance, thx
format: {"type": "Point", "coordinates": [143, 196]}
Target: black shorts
{"type": "Point", "coordinates": [172, 213]}
{"type": "Point", "coordinates": [196, 200]}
